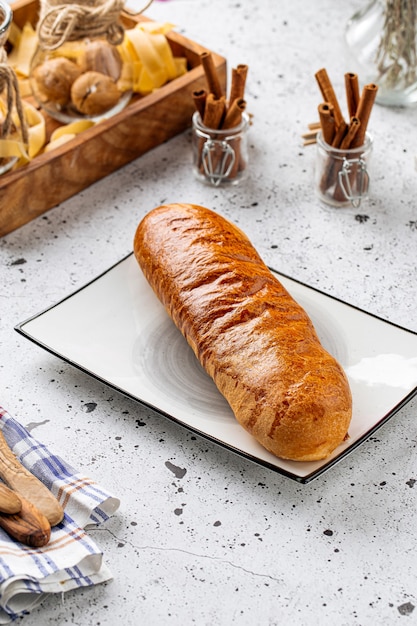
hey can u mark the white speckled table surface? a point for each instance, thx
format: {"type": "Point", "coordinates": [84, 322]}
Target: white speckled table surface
{"type": "Point", "coordinates": [204, 536]}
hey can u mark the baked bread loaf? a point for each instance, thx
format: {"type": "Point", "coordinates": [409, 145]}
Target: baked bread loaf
{"type": "Point", "coordinates": [252, 338]}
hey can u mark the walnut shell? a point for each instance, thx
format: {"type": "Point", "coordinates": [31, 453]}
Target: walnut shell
{"type": "Point", "coordinates": [54, 79]}
{"type": "Point", "coordinates": [94, 93]}
{"type": "Point", "coordinates": [101, 56]}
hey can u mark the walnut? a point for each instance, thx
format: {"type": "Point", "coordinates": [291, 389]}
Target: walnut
{"type": "Point", "coordinates": [94, 93]}
{"type": "Point", "coordinates": [54, 78]}
{"type": "Point", "coordinates": [101, 56]}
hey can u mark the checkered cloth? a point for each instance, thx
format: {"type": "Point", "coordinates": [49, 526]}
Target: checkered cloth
{"type": "Point", "coordinates": [70, 559]}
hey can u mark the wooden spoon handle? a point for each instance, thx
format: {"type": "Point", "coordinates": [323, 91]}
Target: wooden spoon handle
{"type": "Point", "coordinates": [18, 478]}
{"type": "Point", "coordinates": [29, 526]}
{"type": "Point", "coordinates": [9, 500]}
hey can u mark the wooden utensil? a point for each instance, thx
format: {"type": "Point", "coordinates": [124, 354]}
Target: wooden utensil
{"type": "Point", "coordinates": [18, 478]}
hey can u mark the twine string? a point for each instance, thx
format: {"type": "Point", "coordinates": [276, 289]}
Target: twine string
{"type": "Point", "coordinates": [10, 86]}
{"type": "Point", "coordinates": [71, 21]}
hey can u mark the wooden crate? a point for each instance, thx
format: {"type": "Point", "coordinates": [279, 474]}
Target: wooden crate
{"type": "Point", "coordinates": [147, 121]}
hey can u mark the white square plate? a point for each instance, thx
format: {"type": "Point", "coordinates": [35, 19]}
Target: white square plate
{"type": "Point", "coordinates": [116, 330]}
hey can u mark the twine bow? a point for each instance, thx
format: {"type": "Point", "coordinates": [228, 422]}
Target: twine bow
{"type": "Point", "coordinates": [10, 85]}
{"type": "Point", "coordinates": [71, 21]}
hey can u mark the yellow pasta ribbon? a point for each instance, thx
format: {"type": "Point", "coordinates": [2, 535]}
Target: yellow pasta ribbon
{"type": "Point", "coordinates": [65, 133]}
{"type": "Point", "coordinates": [37, 135]}
{"type": "Point", "coordinates": [21, 55]}
{"type": "Point", "coordinates": [12, 147]}
{"type": "Point", "coordinates": [148, 58]}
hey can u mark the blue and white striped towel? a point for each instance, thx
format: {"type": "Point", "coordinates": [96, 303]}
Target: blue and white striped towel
{"type": "Point", "coordinates": [70, 559]}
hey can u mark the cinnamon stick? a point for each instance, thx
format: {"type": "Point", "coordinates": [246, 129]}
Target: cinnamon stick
{"type": "Point", "coordinates": [352, 130]}
{"type": "Point", "coordinates": [238, 82]}
{"type": "Point", "coordinates": [234, 114]}
{"type": "Point", "coordinates": [214, 111]}
{"type": "Point", "coordinates": [328, 94]}
{"type": "Point", "coordinates": [363, 113]}
{"type": "Point", "coordinates": [213, 116]}
{"type": "Point", "coordinates": [311, 134]}
{"type": "Point", "coordinates": [347, 141]}
{"type": "Point", "coordinates": [327, 122]}
{"type": "Point", "coordinates": [330, 175]}
{"type": "Point", "coordinates": [352, 93]}
{"type": "Point", "coordinates": [234, 118]}
{"type": "Point", "coordinates": [339, 135]}
{"type": "Point", "coordinates": [210, 72]}
{"type": "Point", "coordinates": [239, 164]}
{"type": "Point", "coordinates": [199, 98]}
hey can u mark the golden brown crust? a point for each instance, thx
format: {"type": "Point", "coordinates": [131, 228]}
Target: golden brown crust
{"type": "Point", "coordinates": [253, 339]}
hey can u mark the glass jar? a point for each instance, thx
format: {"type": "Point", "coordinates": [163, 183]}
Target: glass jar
{"type": "Point", "coordinates": [79, 80]}
{"type": "Point", "coordinates": [342, 176]}
{"type": "Point", "coordinates": [7, 161]}
{"type": "Point", "coordinates": [382, 44]}
{"type": "Point", "coordinates": [6, 17]}
{"type": "Point", "coordinates": [220, 157]}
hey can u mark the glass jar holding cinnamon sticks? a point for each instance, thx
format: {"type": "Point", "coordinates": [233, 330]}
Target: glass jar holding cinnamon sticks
{"type": "Point", "coordinates": [342, 175]}
{"type": "Point", "coordinates": [219, 127]}
{"type": "Point", "coordinates": [344, 147]}
{"type": "Point", "coordinates": [220, 156]}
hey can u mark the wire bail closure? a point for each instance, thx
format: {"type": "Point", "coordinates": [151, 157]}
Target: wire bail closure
{"type": "Point", "coordinates": [218, 159]}
{"type": "Point", "coordinates": [354, 175]}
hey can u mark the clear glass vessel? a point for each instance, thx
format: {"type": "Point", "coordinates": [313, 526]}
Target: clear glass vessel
{"type": "Point", "coordinates": [382, 45]}
{"type": "Point", "coordinates": [6, 17]}
{"type": "Point", "coordinates": [342, 177]}
{"type": "Point", "coordinates": [79, 80]}
{"type": "Point", "coordinates": [220, 157]}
